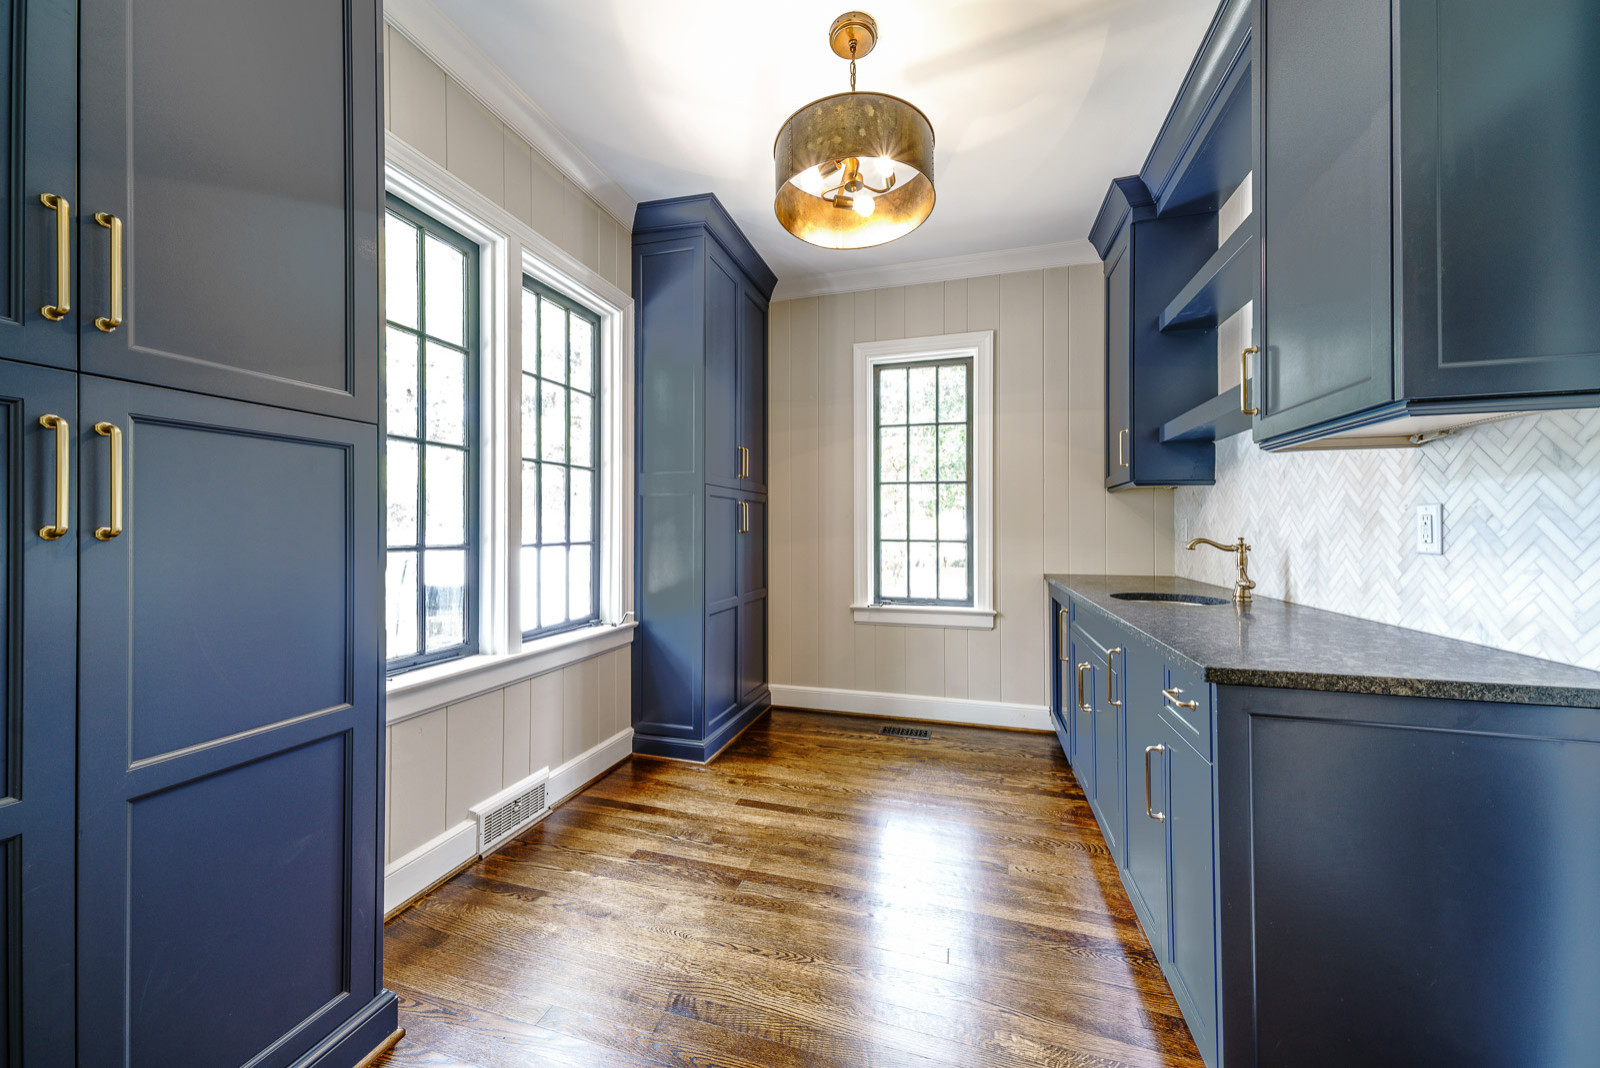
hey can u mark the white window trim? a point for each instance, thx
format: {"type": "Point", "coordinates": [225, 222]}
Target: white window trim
{"type": "Point", "coordinates": [978, 346]}
{"type": "Point", "coordinates": [512, 248]}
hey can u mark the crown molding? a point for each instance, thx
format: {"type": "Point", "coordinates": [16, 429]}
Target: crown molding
{"type": "Point", "coordinates": [948, 269]}
{"type": "Point", "coordinates": [442, 41]}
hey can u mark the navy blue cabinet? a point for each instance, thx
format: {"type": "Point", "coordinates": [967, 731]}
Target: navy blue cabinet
{"type": "Point", "coordinates": [700, 655]}
{"type": "Point", "coordinates": [1423, 179]}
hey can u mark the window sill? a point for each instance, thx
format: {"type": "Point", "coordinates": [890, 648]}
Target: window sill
{"type": "Point", "coordinates": [920, 615]}
{"type": "Point", "coordinates": [425, 689]}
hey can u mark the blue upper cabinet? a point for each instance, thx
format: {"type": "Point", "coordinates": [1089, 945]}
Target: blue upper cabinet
{"type": "Point", "coordinates": [1424, 180]}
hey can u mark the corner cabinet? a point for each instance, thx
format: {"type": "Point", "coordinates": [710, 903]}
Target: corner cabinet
{"type": "Point", "coordinates": [190, 651]}
{"type": "Point", "coordinates": [1424, 178]}
{"type": "Point", "coordinates": [700, 654]}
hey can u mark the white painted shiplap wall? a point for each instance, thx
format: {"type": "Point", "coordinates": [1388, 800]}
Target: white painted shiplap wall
{"type": "Point", "coordinates": [1052, 513]}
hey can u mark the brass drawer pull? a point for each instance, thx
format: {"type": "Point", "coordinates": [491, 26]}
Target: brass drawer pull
{"type": "Point", "coordinates": [1083, 665]}
{"type": "Point", "coordinates": [1244, 381]}
{"type": "Point", "coordinates": [744, 461]}
{"type": "Point", "coordinates": [1061, 634]}
{"type": "Point", "coordinates": [58, 203]}
{"type": "Point", "coordinates": [1122, 447]}
{"type": "Point", "coordinates": [114, 432]}
{"type": "Point", "coordinates": [1173, 695]}
{"type": "Point", "coordinates": [63, 474]}
{"type": "Point", "coordinates": [744, 517]}
{"type": "Point", "coordinates": [108, 323]}
{"type": "Point", "coordinates": [1159, 817]}
{"type": "Point", "coordinates": [1111, 683]}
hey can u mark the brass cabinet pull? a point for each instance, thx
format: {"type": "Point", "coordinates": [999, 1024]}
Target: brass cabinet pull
{"type": "Point", "coordinates": [63, 474]}
{"type": "Point", "coordinates": [744, 517]}
{"type": "Point", "coordinates": [744, 461]}
{"type": "Point", "coordinates": [1122, 447]}
{"type": "Point", "coordinates": [114, 432]}
{"type": "Point", "coordinates": [1083, 665]}
{"type": "Point", "coordinates": [1159, 817]}
{"type": "Point", "coordinates": [1061, 633]}
{"type": "Point", "coordinates": [1173, 695]}
{"type": "Point", "coordinates": [58, 203]}
{"type": "Point", "coordinates": [1111, 686]}
{"type": "Point", "coordinates": [110, 322]}
{"type": "Point", "coordinates": [1244, 381]}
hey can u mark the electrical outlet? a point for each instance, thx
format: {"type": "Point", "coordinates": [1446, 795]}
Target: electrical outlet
{"type": "Point", "coordinates": [1430, 529]}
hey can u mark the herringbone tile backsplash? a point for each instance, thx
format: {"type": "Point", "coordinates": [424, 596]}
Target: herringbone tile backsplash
{"type": "Point", "coordinates": [1337, 530]}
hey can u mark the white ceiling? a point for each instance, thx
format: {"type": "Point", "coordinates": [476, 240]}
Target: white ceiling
{"type": "Point", "coordinates": [1036, 104]}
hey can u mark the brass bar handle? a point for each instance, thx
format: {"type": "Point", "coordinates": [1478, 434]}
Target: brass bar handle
{"type": "Point", "coordinates": [1061, 633]}
{"type": "Point", "coordinates": [1083, 665]}
{"type": "Point", "coordinates": [744, 461]}
{"type": "Point", "coordinates": [58, 203]}
{"type": "Point", "coordinates": [108, 323]}
{"type": "Point", "coordinates": [1244, 381]}
{"type": "Point", "coordinates": [1159, 817]}
{"type": "Point", "coordinates": [744, 517]}
{"type": "Point", "coordinates": [63, 474]}
{"type": "Point", "coordinates": [1173, 695]}
{"type": "Point", "coordinates": [1111, 686]}
{"type": "Point", "coordinates": [114, 432]}
{"type": "Point", "coordinates": [1122, 447]}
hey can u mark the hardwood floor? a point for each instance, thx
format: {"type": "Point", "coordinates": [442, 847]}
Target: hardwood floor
{"type": "Point", "coordinates": [821, 894]}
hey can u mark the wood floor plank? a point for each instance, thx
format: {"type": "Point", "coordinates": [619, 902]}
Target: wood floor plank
{"type": "Point", "coordinates": [821, 894]}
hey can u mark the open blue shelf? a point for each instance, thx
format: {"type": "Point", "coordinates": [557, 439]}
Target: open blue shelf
{"type": "Point", "coordinates": [1211, 420]}
{"type": "Point", "coordinates": [1226, 283]}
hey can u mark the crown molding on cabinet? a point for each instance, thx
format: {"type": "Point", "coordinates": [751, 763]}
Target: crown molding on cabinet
{"type": "Point", "coordinates": [442, 41]}
{"type": "Point", "coordinates": [948, 269]}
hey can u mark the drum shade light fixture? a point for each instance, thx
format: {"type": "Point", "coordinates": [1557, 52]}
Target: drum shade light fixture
{"type": "Point", "coordinates": [855, 169]}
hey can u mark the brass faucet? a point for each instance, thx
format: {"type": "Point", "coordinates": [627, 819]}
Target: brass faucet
{"type": "Point", "coordinates": [1242, 588]}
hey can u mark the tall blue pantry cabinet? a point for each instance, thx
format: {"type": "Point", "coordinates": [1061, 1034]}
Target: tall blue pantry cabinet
{"type": "Point", "coordinates": [700, 657]}
{"type": "Point", "coordinates": [190, 670]}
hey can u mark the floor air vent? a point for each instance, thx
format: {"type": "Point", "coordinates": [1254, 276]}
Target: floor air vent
{"type": "Point", "coordinates": [907, 732]}
{"type": "Point", "coordinates": [511, 810]}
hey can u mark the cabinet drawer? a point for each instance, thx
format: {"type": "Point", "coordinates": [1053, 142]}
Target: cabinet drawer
{"type": "Point", "coordinates": [1182, 687]}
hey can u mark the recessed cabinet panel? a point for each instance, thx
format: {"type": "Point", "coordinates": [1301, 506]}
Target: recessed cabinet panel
{"type": "Point", "coordinates": [724, 461]}
{"type": "Point", "coordinates": [724, 521]}
{"type": "Point", "coordinates": [1192, 942]}
{"type": "Point", "coordinates": [753, 388]}
{"type": "Point", "coordinates": [1119, 368]}
{"type": "Point", "coordinates": [722, 666]}
{"type": "Point", "coordinates": [752, 548]}
{"type": "Point", "coordinates": [752, 649]}
{"type": "Point", "coordinates": [671, 609]}
{"type": "Point", "coordinates": [668, 292]}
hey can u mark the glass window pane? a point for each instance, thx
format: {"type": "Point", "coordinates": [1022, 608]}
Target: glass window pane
{"type": "Point", "coordinates": [891, 396]}
{"type": "Point", "coordinates": [953, 571]}
{"type": "Point", "coordinates": [530, 335]}
{"type": "Point", "coordinates": [400, 381]}
{"type": "Point", "coordinates": [892, 454]}
{"type": "Point", "coordinates": [582, 505]}
{"type": "Point", "coordinates": [953, 513]}
{"type": "Point", "coordinates": [530, 502]}
{"type": "Point", "coordinates": [553, 504]}
{"type": "Point", "coordinates": [445, 598]}
{"type": "Point", "coordinates": [400, 605]}
{"type": "Point", "coordinates": [921, 394]}
{"type": "Point", "coordinates": [445, 291]}
{"type": "Point", "coordinates": [552, 586]}
{"type": "Point", "coordinates": [552, 341]}
{"type": "Point", "coordinates": [924, 570]}
{"type": "Point", "coordinates": [553, 423]}
{"type": "Point", "coordinates": [446, 385]}
{"type": "Point", "coordinates": [953, 453]}
{"type": "Point", "coordinates": [953, 394]}
{"type": "Point", "coordinates": [582, 348]}
{"type": "Point", "coordinates": [580, 582]}
{"type": "Point", "coordinates": [401, 493]}
{"type": "Point", "coordinates": [399, 271]}
{"type": "Point", "coordinates": [444, 493]}
{"type": "Point", "coordinates": [528, 589]}
{"type": "Point", "coordinates": [582, 429]}
{"type": "Point", "coordinates": [892, 512]}
{"type": "Point", "coordinates": [530, 417]}
{"type": "Point", "coordinates": [892, 577]}
{"type": "Point", "coordinates": [924, 517]}
{"type": "Point", "coordinates": [922, 466]}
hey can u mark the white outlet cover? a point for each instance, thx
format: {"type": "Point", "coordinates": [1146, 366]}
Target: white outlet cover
{"type": "Point", "coordinates": [1430, 529]}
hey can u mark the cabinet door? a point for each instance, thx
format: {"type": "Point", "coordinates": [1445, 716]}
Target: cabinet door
{"type": "Point", "coordinates": [38, 156]}
{"type": "Point", "coordinates": [1119, 368]}
{"type": "Point", "coordinates": [237, 143]}
{"type": "Point", "coordinates": [722, 373]}
{"type": "Point", "coordinates": [1191, 960]}
{"type": "Point", "coordinates": [753, 388]}
{"type": "Point", "coordinates": [752, 649]}
{"type": "Point", "coordinates": [38, 589]}
{"type": "Point", "coordinates": [1145, 777]}
{"type": "Point", "coordinates": [724, 520]}
{"type": "Point", "coordinates": [1060, 676]}
{"type": "Point", "coordinates": [1109, 792]}
{"type": "Point", "coordinates": [1322, 186]}
{"type": "Point", "coordinates": [228, 906]}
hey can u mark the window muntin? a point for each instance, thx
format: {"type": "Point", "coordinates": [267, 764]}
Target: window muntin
{"type": "Point", "coordinates": [922, 482]}
{"type": "Point", "coordinates": [431, 462]}
{"type": "Point", "coordinates": [560, 565]}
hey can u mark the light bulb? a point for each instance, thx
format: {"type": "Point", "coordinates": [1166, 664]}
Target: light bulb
{"type": "Point", "coordinates": [885, 169]}
{"type": "Point", "coordinates": [809, 181]}
{"type": "Point", "coordinates": [864, 204]}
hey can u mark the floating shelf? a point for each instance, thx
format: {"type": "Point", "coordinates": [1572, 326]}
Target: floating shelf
{"type": "Point", "coordinates": [1212, 420]}
{"type": "Point", "coordinates": [1226, 283]}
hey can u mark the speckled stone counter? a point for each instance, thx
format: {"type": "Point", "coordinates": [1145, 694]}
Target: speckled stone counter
{"type": "Point", "coordinates": [1288, 646]}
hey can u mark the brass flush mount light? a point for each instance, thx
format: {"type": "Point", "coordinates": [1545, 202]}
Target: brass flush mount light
{"type": "Point", "coordinates": [856, 169]}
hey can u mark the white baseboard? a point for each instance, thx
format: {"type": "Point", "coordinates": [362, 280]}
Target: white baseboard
{"type": "Point", "coordinates": [439, 857]}
{"type": "Point", "coordinates": [914, 706]}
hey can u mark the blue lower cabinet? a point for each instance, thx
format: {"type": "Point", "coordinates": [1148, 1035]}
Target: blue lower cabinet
{"type": "Point", "coordinates": [1190, 957]}
{"type": "Point", "coordinates": [1061, 674]}
{"type": "Point", "coordinates": [1146, 873]}
{"type": "Point", "coordinates": [229, 733]}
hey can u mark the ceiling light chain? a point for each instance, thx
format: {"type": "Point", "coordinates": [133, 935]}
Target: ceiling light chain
{"type": "Point", "coordinates": [852, 66]}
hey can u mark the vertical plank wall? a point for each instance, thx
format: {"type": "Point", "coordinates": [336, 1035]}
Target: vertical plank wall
{"type": "Point", "coordinates": [1052, 512]}
{"type": "Point", "coordinates": [443, 761]}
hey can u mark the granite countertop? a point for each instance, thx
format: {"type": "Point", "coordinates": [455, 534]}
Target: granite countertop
{"type": "Point", "coordinates": [1289, 646]}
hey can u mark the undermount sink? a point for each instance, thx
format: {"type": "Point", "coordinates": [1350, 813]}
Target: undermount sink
{"type": "Point", "coordinates": [1195, 599]}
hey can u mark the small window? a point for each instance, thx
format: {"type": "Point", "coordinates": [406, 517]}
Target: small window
{"type": "Point", "coordinates": [560, 563]}
{"type": "Point", "coordinates": [431, 452]}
